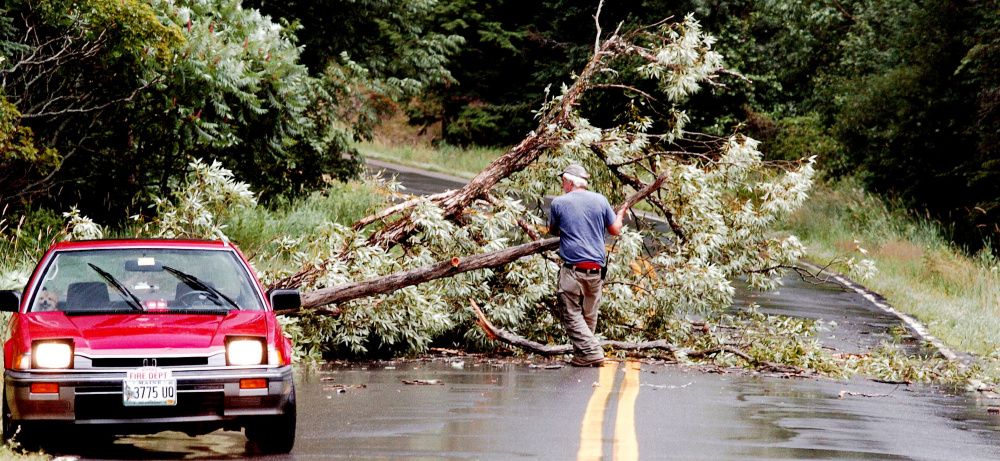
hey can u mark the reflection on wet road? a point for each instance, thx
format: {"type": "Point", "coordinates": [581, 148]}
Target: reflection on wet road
{"type": "Point", "coordinates": [488, 409]}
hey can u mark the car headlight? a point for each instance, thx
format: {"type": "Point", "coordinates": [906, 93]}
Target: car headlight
{"type": "Point", "coordinates": [244, 351]}
{"type": "Point", "coordinates": [52, 354]}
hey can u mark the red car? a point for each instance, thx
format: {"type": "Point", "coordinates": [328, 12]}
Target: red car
{"type": "Point", "coordinates": [140, 336]}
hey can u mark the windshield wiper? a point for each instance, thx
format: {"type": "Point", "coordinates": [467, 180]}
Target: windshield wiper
{"type": "Point", "coordinates": [131, 300]}
{"type": "Point", "coordinates": [196, 283]}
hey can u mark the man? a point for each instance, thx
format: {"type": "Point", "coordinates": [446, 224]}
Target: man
{"type": "Point", "coordinates": [580, 217]}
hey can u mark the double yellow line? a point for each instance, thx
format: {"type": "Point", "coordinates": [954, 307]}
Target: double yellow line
{"type": "Point", "coordinates": [591, 434]}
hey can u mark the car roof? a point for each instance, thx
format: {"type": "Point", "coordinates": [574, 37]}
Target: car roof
{"type": "Point", "coordinates": [141, 243]}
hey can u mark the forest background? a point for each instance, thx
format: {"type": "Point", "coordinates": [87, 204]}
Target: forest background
{"type": "Point", "coordinates": [107, 103]}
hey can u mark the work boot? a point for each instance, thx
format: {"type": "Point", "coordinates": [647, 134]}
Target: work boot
{"type": "Point", "coordinates": [582, 362]}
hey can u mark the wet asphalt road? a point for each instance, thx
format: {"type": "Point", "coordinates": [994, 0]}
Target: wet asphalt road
{"type": "Point", "coordinates": [498, 409]}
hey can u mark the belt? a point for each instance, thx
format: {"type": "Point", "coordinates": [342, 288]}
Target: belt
{"type": "Point", "coordinates": [584, 271]}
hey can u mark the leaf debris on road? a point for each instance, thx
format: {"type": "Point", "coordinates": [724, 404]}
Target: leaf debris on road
{"type": "Point", "coordinates": [424, 382]}
{"type": "Point", "coordinates": [341, 388]}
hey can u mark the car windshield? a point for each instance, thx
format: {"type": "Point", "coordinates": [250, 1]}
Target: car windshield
{"type": "Point", "coordinates": [145, 279]}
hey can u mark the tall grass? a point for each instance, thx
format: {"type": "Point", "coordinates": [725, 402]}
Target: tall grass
{"type": "Point", "coordinates": [461, 162]}
{"type": "Point", "coordinates": [341, 203]}
{"type": "Point", "coordinates": [920, 272]}
{"type": "Point", "coordinates": [24, 237]}
{"type": "Point", "coordinates": [11, 451]}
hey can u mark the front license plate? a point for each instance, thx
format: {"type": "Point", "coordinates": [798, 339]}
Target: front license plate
{"type": "Point", "coordinates": [149, 386]}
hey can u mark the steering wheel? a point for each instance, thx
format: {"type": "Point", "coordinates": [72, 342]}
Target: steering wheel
{"type": "Point", "coordinates": [196, 297]}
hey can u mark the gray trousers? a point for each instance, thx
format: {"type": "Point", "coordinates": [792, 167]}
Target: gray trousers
{"type": "Point", "coordinates": [579, 297]}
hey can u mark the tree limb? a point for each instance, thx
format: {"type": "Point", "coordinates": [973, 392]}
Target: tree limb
{"type": "Point", "coordinates": [397, 208]}
{"type": "Point", "coordinates": [392, 282]}
{"type": "Point", "coordinates": [512, 339]}
{"type": "Point", "coordinates": [543, 138]}
{"type": "Point", "coordinates": [597, 23]}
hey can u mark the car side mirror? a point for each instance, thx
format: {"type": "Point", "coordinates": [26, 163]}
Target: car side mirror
{"type": "Point", "coordinates": [10, 301]}
{"type": "Point", "coordinates": [284, 299]}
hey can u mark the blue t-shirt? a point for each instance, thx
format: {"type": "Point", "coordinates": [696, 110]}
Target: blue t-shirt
{"type": "Point", "coordinates": [580, 218]}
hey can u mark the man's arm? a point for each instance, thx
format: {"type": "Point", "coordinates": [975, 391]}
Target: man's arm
{"type": "Point", "coordinates": [616, 227]}
{"type": "Point", "coordinates": [553, 221]}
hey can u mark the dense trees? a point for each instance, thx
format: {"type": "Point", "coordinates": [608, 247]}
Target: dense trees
{"type": "Point", "coordinates": [118, 97]}
{"type": "Point", "coordinates": [902, 94]}
{"type": "Point", "coordinates": [106, 102]}
{"type": "Point", "coordinates": [897, 91]}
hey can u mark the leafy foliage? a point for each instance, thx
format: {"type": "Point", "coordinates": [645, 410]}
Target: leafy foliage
{"type": "Point", "coordinates": [369, 52]}
{"type": "Point", "coordinates": [722, 201]}
{"type": "Point", "coordinates": [237, 87]}
{"type": "Point", "coordinates": [142, 89]}
{"type": "Point", "coordinates": [208, 197]}
{"type": "Point", "coordinates": [22, 162]}
{"type": "Point", "coordinates": [899, 86]}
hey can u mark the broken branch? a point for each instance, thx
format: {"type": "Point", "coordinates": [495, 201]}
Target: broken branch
{"type": "Point", "coordinates": [520, 342]}
{"type": "Point", "coordinates": [392, 282]}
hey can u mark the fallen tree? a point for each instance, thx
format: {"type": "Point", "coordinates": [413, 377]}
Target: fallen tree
{"type": "Point", "coordinates": [401, 277]}
{"type": "Point", "coordinates": [558, 121]}
{"type": "Point", "coordinates": [392, 282]}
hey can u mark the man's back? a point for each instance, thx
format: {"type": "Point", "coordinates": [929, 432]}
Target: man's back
{"type": "Point", "coordinates": [580, 217]}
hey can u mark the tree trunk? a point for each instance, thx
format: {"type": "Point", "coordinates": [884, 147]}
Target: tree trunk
{"type": "Point", "coordinates": [392, 282]}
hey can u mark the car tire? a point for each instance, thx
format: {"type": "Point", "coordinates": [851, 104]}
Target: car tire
{"type": "Point", "coordinates": [275, 434]}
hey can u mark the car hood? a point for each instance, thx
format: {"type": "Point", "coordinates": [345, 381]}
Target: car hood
{"type": "Point", "coordinates": [120, 333]}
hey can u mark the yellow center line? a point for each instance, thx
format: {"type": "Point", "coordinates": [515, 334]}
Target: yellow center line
{"type": "Point", "coordinates": [626, 444]}
{"type": "Point", "coordinates": [591, 434]}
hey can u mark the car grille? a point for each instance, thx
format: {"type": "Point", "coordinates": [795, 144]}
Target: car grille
{"type": "Point", "coordinates": [109, 406]}
{"type": "Point", "coordinates": [133, 362]}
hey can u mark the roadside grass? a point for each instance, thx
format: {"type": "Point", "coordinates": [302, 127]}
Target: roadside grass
{"type": "Point", "coordinates": [339, 203]}
{"type": "Point", "coordinates": [920, 272]}
{"type": "Point", "coordinates": [458, 161]}
{"type": "Point", "coordinates": [10, 451]}
{"type": "Point", "coordinates": [24, 237]}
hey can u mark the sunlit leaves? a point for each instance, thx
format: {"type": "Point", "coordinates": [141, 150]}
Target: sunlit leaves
{"type": "Point", "coordinates": [80, 227]}
{"type": "Point", "coordinates": [683, 60]}
{"type": "Point", "coordinates": [208, 196]}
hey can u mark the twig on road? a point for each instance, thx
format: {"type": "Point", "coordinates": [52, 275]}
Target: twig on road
{"type": "Point", "coordinates": [861, 394]}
